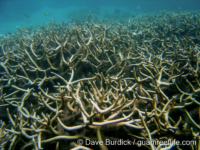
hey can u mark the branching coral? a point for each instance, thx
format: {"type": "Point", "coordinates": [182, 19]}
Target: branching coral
{"type": "Point", "coordinates": [136, 79]}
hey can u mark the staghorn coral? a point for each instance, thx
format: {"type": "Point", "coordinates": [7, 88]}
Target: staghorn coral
{"type": "Point", "coordinates": [100, 79]}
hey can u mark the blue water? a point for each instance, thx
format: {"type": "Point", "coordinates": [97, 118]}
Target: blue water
{"type": "Point", "coordinates": [23, 13]}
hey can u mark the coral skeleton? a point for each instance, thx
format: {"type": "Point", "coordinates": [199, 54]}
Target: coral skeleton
{"type": "Point", "coordinates": [101, 79]}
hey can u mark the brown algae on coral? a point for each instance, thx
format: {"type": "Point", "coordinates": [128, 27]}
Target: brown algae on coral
{"type": "Point", "coordinates": [135, 79]}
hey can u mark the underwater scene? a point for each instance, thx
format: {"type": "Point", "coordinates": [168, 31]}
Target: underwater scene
{"type": "Point", "coordinates": [99, 75]}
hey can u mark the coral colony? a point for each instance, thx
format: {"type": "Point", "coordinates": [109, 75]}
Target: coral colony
{"type": "Point", "coordinates": [97, 79]}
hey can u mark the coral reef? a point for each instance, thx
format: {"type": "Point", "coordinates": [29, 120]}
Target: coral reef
{"type": "Point", "coordinates": [97, 79]}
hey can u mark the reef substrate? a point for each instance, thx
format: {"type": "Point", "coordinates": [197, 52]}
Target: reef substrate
{"type": "Point", "coordinates": [97, 79]}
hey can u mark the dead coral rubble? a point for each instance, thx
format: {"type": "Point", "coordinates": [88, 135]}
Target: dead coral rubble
{"type": "Point", "coordinates": [100, 79]}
